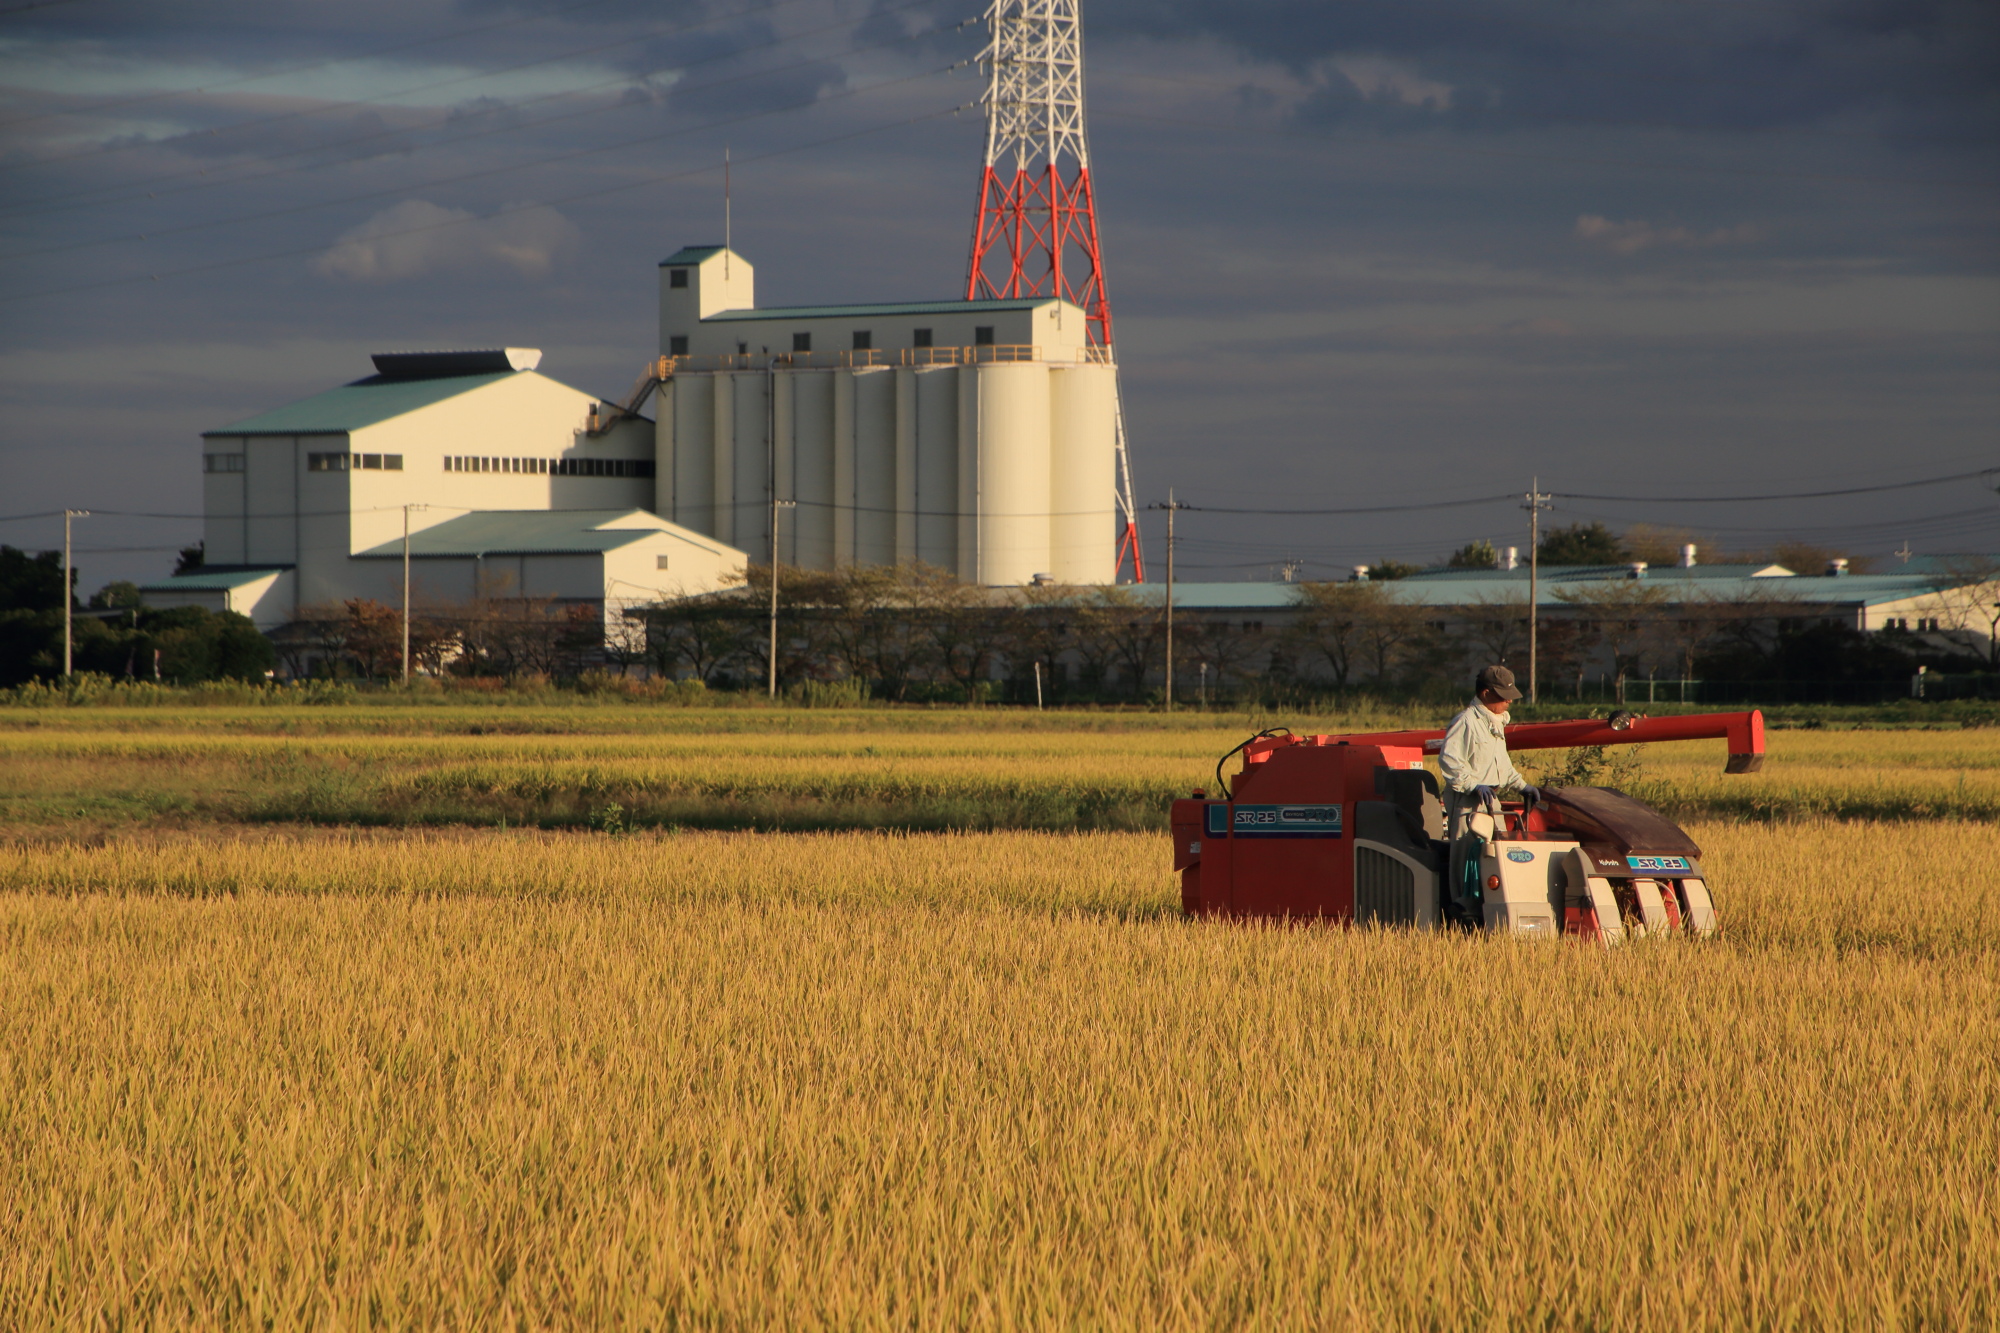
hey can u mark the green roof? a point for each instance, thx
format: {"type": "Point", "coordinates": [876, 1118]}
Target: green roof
{"type": "Point", "coordinates": [691, 254]}
{"type": "Point", "coordinates": [529, 532]}
{"type": "Point", "coordinates": [865, 311]}
{"type": "Point", "coordinates": [362, 403]}
{"type": "Point", "coordinates": [213, 580]}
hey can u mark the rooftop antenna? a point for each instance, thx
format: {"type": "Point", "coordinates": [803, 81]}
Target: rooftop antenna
{"type": "Point", "coordinates": [1905, 554]}
{"type": "Point", "coordinates": [725, 212]}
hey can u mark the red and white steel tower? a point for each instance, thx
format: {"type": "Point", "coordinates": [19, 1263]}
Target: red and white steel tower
{"type": "Point", "coordinates": [1037, 228]}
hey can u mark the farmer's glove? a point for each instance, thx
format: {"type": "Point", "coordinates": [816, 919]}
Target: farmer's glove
{"type": "Point", "coordinates": [1530, 794]}
{"type": "Point", "coordinates": [1484, 796]}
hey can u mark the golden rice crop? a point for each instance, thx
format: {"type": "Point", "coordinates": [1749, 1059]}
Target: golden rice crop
{"type": "Point", "coordinates": [946, 773]}
{"type": "Point", "coordinates": [729, 1080]}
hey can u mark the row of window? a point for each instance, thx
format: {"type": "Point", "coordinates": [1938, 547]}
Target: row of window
{"type": "Point", "coordinates": [558, 467]}
{"type": "Point", "coordinates": [1925, 624]}
{"type": "Point", "coordinates": [343, 462]}
{"type": "Point", "coordinates": [553, 467]}
{"type": "Point", "coordinates": [864, 341]}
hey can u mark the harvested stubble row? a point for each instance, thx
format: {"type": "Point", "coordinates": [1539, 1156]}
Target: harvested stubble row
{"type": "Point", "coordinates": [975, 1080]}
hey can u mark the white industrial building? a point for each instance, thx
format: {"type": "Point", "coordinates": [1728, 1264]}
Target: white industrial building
{"type": "Point", "coordinates": [495, 468]}
{"type": "Point", "coordinates": [978, 436]}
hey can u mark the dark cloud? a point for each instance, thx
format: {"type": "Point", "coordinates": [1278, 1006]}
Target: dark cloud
{"type": "Point", "coordinates": [1366, 249]}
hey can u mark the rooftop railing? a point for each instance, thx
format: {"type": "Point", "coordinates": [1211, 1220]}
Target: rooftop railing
{"type": "Point", "coordinates": [887, 358]}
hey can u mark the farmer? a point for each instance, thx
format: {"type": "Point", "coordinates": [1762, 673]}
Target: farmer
{"type": "Point", "coordinates": [1476, 768]}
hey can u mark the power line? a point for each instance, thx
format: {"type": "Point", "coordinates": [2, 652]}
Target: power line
{"type": "Point", "coordinates": [1462, 150]}
{"type": "Point", "coordinates": [1787, 495]}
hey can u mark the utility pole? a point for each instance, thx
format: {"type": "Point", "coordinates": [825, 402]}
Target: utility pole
{"type": "Point", "coordinates": [1536, 503]}
{"type": "Point", "coordinates": [406, 591]}
{"type": "Point", "coordinates": [771, 425]}
{"type": "Point", "coordinates": [68, 595]}
{"type": "Point", "coordinates": [1171, 506]}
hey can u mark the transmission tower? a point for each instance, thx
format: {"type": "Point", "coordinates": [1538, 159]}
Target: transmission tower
{"type": "Point", "coordinates": [1037, 228]}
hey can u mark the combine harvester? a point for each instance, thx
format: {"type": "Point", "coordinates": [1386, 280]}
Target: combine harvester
{"type": "Point", "coordinates": [1351, 828]}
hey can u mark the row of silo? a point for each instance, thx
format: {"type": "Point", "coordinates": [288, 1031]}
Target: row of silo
{"type": "Point", "coordinates": [996, 471]}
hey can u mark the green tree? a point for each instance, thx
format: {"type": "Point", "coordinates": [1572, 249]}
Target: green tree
{"type": "Point", "coordinates": [30, 582]}
{"type": "Point", "coordinates": [1474, 555]}
{"type": "Point", "coordinates": [1388, 571]}
{"type": "Point", "coordinates": [1583, 544]}
{"type": "Point", "coordinates": [119, 596]}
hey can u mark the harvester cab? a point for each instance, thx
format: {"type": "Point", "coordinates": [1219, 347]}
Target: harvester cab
{"type": "Point", "coordinates": [1352, 828]}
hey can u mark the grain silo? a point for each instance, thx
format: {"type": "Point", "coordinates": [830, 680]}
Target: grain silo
{"type": "Point", "coordinates": [975, 435]}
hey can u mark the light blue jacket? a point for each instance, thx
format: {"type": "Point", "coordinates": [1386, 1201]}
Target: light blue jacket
{"type": "Point", "coordinates": [1475, 752]}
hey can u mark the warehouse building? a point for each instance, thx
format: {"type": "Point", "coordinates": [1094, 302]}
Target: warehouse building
{"type": "Point", "coordinates": [505, 489]}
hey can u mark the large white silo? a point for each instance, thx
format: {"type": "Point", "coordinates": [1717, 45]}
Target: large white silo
{"type": "Point", "coordinates": [749, 467]}
{"type": "Point", "coordinates": [812, 468]}
{"type": "Point", "coordinates": [1012, 503]}
{"type": "Point", "coordinates": [869, 487]}
{"type": "Point", "coordinates": [935, 497]}
{"type": "Point", "coordinates": [687, 466]}
{"type": "Point", "coordinates": [1083, 440]}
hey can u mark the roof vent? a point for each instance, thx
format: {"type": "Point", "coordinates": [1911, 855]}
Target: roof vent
{"type": "Point", "coordinates": [1836, 567]}
{"type": "Point", "coordinates": [1511, 558]}
{"type": "Point", "coordinates": [1687, 557]}
{"type": "Point", "coordinates": [1636, 570]}
{"type": "Point", "coordinates": [1042, 580]}
{"type": "Point", "coordinates": [447, 365]}
{"type": "Point", "coordinates": [1361, 573]}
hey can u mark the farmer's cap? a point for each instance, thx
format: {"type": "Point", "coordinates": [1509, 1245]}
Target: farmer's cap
{"type": "Point", "coordinates": [1500, 680]}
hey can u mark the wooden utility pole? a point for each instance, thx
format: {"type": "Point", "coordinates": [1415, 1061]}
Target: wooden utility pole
{"type": "Point", "coordinates": [68, 595]}
{"type": "Point", "coordinates": [1536, 503]}
{"type": "Point", "coordinates": [1171, 506]}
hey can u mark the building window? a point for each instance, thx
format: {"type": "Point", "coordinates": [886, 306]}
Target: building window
{"type": "Point", "coordinates": [677, 277]}
{"type": "Point", "coordinates": [864, 339]}
{"type": "Point", "coordinates": [392, 462]}
{"type": "Point", "coordinates": [742, 348]}
{"type": "Point", "coordinates": [659, 562]}
{"type": "Point", "coordinates": [326, 462]}
{"type": "Point", "coordinates": [372, 462]}
{"type": "Point", "coordinates": [982, 336]}
{"type": "Point", "coordinates": [922, 338]}
{"type": "Point", "coordinates": [222, 462]}
{"type": "Point", "coordinates": [802, 342]}
{"type": "Point", "coordinates": [677, 344]}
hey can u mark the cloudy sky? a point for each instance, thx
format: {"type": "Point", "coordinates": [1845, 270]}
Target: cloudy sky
{"type": "Point", "coordinates": [1360, 252]}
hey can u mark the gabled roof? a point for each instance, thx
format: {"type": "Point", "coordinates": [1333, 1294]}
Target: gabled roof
{"type": "Point", "coordinates": [537, 532]}
{"type": "Point", "coordinates": [362, 403]}
{"type": "Point", "coordinates": [869, 311]}
{"type": "Point", "coordinates": [213, 580]}
{"type": "Point", "coordinates": [691, 254]}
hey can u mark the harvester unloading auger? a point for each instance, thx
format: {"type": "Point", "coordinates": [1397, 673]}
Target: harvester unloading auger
{"type": "Point", "coordinates": [1351, 828]}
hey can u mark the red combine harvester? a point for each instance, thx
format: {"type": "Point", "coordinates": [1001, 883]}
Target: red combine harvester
{"type": "Point", "coordinates": [1351, 828]}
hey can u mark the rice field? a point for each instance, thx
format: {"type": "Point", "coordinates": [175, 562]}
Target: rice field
{"type": "Point", "coordinates": [811, 771]}
{"type": "Point", "coordinates": [409, 1072]}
